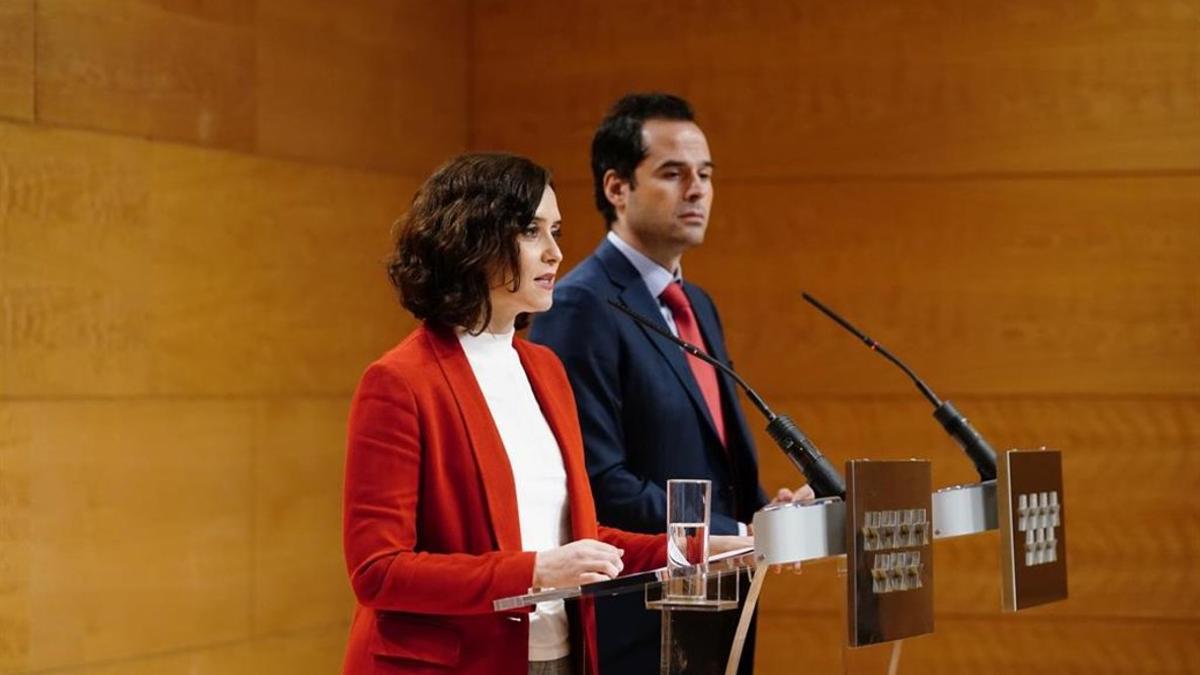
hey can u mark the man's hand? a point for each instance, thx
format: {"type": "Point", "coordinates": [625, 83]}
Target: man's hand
{"type": "Point", "coordinates": [802, 494]}
{"type": "Point", "coordinates": [579, 562]}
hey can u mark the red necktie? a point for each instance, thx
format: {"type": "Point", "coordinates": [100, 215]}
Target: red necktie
{"type": "Point", "coordinates": [706, 376]}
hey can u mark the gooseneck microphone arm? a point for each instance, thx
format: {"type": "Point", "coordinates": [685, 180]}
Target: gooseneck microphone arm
{"type": "Point", "coordinates": [955, 424]}
{"type": "Point", "coordinates": [875, 346]}
{"type": "Point", "coordinates": [820, 474]}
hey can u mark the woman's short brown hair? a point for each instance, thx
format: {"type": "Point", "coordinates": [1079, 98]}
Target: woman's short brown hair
{"type": "Point", "coordinates": [461, 229]}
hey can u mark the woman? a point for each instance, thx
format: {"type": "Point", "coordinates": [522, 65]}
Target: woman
{"type": "Point", "coordinates": [465, 479]}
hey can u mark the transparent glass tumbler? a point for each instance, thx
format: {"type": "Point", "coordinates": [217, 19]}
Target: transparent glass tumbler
{"type": "Point", "coordinates": [689, 507]}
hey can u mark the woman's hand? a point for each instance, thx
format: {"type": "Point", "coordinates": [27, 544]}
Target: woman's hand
{"type": "Point", "coordinates": [579, 562]}
{"type": "Point", "coordinates": [723, 543]}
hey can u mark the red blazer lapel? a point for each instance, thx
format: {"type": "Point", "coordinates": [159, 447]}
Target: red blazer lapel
{"type": "Point", "coordinates": [554, 396]}
{"type": "Point", "coordinates": [494, 468]}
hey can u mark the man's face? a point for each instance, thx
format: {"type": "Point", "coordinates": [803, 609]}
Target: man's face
{"type": "Point", "coordinates": [670, 204]}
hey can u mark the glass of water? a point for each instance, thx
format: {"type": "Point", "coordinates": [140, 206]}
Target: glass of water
{"type": "Point", "coordinates": [688, 513]}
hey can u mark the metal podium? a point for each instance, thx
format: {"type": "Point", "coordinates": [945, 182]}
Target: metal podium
{"type": "Point", "coordinates": [885, 530]}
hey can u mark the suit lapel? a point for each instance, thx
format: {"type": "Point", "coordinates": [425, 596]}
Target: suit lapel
{"type": "Point", "coordinates": [494, 469]}
{"type": "Point", "coordinates": [637, 297]}
{"type": "Point", "coordinates": [559, 416]}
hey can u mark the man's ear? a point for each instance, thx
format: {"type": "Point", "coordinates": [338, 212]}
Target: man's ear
{"type": "Point", "coordinates": [615, 189]}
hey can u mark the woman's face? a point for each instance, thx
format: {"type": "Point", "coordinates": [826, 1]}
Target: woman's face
{"type": "Point", "coordinates": [539, 256]}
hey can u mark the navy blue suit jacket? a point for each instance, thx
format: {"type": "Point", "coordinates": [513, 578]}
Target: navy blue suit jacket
{"type": "Point", "coordinates": [644, 419]}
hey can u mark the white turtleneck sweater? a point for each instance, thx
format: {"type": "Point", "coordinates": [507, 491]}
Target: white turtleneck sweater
{"type": "Point", "coordinates": [537, 467]}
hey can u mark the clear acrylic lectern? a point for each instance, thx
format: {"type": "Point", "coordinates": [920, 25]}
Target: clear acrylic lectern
{"type": "Point", "coordinates": [884, 531]}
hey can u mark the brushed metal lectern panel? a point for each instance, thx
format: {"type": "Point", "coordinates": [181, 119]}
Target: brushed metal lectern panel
{"type": "Point", "coordinates": [889, 550]}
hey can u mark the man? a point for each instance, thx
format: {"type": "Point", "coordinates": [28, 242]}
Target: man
{"type": "Point", "coordinates": [648, 411]}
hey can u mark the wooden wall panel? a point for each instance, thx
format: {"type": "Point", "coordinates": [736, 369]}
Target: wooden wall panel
{"type": "Point", "coordinates": [253, 258]}
{"type": "Point", "coordinates": [170, 69]}
{"type": "Point", "coordinates": [1024, 643]}
{"type": "Point", "coordinates": [135, 268]}
{"type": "Point", "coordinates": [990, 286]}
{"type": "Point", "coordinates": [74, 269]}
{"type": "Point", "coordinates": [15, 512]}
{"type": "Point", "coordinates": [176, 502]}
{"type": "Point", "coordinates": [375, 84]}
{"type": "Point", "coordinates": [863, 88]}
{"type": "Point", "coordinates": [181, 327]}
{"type": "Point", "coordinates": [16, 59]}
{"type": "Point", "coordinates": [316, 650]}
{"type": "Point", "coordinates": [300, 578]}
{"type": "Point", "coordinates": [1003, 196]}
{"type": "Point", "coordinates": [5, 312]}
{"type": "Point", "coordinates": [1130, 465]}
{"type": "Point", "coordinates": [133, 533]}
{"type": "Point", "coordinates": [370, 84]}
{"type": "Point", "coordinates": [1055, 306]}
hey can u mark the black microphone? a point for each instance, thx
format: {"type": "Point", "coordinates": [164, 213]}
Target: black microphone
{"type": "Point", "coordinates": [820, 474]}
{"type": "Point", "coordinates": [944, 412]}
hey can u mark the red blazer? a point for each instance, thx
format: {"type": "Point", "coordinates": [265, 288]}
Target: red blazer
{"type": "Point", "coordinates": [431, 530]}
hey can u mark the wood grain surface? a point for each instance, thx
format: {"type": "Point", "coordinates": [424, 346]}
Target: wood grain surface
{"type": "Point", "coordinates": [181, 71]}
{"type": "Point", "coordinates": [336, 85]}
{"type": "Point", "coordinates": [195, 203]}
{"type": "Point", "coordinates": [195, 198]}
{"type": "Point", "coordinates": [982, 286]}
{"type": "Point", "coordinates": [1023, 643]}
{"type": "Point", "coordinates": [16, 59]}
{"type": "Point", "coordinates": [132, 535]}
{"type": "Point", "coordinates": [875, 88]}
{"type": "Point", "coordinates": [1000, 194]}
{"type": "Point", "coordinates": [134, 268]}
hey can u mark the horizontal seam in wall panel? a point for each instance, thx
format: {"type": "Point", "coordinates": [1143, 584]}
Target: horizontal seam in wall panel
{"type": "Point", "coordinates": [75, 667]}
{"type": "Point", "coordinates": [770, 396]}
{"type": "Point", "coordinates": [1006, 616]}
{"type": "Point", "coordinates": [18, 121]}
{"type": "Point", "coordinates": [1001, 396]}
{"type": "Point", "coordinates": [967, 177]}
{"type": "Point", "coordinates": [802, 613]}
{"type": "Point", "coordinates": [782, 179]}
{"type": "Point", "coordinates": [179, 398]}
{"type": "Point", "coordinates": [302, 161]}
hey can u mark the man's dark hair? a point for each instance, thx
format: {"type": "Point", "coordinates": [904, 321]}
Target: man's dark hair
{"type": "Point", "coordinates": [618, 143]}
{"type": "Point", "coordinates": [461, 229]}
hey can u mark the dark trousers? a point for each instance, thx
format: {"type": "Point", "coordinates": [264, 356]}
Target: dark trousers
{"type": "Point", "coordinates": [559, 667]}
{"type": "Point", "coordinates": [630, 635]}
